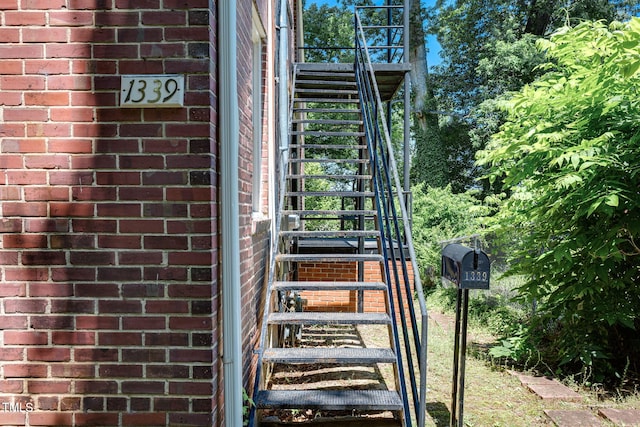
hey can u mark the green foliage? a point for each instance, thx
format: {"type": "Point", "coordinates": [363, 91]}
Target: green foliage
{"type": "Point", "coordinates": [438, 215]}
{"type": "Point", "coordinates": [569, 156]}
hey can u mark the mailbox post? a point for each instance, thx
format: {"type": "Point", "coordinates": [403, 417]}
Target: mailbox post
{"type": "Point", "coordinates": [467, 269]}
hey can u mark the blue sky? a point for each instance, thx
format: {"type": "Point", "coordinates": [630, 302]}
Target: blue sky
{"type": "Point", "coordinates": [433, 56]}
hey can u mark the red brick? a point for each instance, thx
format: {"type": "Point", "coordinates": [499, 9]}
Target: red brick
{"type": "Point", "coordinates": [119, 338]}
{"type": "Point", "coordinates": [24, 18]}
{"type": "Point", "coordinates": [70, 146]}
{"type": "Point", "coordinates": [120, 371]}
{"type": "Point", "coordinates": [70, 18]}
{"type": "Point", "coordinates": [48, 387]}
{"type": "Point", "coordinates": [141, 193]}
{"type": "Point", "coordinates": [74, 370]}
{"type": "Point", "coordinates": [14, 322]}
{"type": "Point", "coordinates": [70, 178]}
{"type": "Point", "coordinates": [135, 66]}
{"type": "Point", "coordinates": [49, 129]}
{"type": "Point", "coordinates": [24, 240]}
{"type": "Point", "coordinates": [143, 387]}
{"type": "Point", "coordinates": [25, 338]}
{"type": "Point", "coordinates": [13, 419]}
{"type": "Point", "coordinates": [119, 306]}
{"type": "Point", "coordinates": [71, 83]}
{"type": "Point", "coordinates": [97, 419]}
{"type": "Point", "coordinates": [190, 388]}
{"type": "Point", "coordinates": [47, 162]}
{"type": "Point", "coordinates": [163, 50]}
{"type": "Point", "coordinates": [46, 193]}
{"type": "Point", "coordinates": [73, 338]}
{"type": "Point", "coordinates": [142, 4]}
{"type": "Point", "coordinates": [97, 322]}
{"type": "Point", "coordinates": [22, 83]}
{"type": "Point", "coordinates": [51, 321]}
{"type": "Point", "coordinates": [142, 226]}
{"type": "Point", "coordinates": [188, 34]}
{"type": "Point", "coordinates": [16, 130]}
{"type": "Point", "coordinates": [111, 51]}
{"type": "Point", "coordinates": [97, 290]}
{"type": "Point", "coordinates": [95, 226]}
{"type": "Point", "coordinates": [50, 419]}
{"type": "Point", "coordinates": [47, 403]}
{"type": "Point", "coordinates": [24, 305]}
{"type": "Point", "coordinates": [11, 354]}
{"type": "Point", "coordinates": [119, 210]}
{"type": "Point", "coordinates": [50, 290]}
{"type": "Point", "coordinates": [46, 67]}
{"type": "Point", "coordinates": [165, 242]}
{"type": "Point", "coordinates": [143, 355]}
{"type": "Point", "coordinates": [72, 209]}
{"type": "Point", "coordinates": [9, 193]}
{"type": "Point", "coordinates": [55, 354]}
{"type": "Point", "coordinates": [38, 225]}
{"type": "Point", "coordinates": [72, 274]}
{"type": "Point", "coordinates": [95, 355]}
{"type": "Point", "coordinates": [94, 162]}
{"type": "Point", "coordinates": [46, 98]}
{"type": "Point", "coordinates": [143, 323]}
{"type": "Point", "coordinates": [26, 274]}
{"type": "Point", "coordinates": [92, 34]}
{"type": "Point", "coordinates": [73, 241]}
{"type": "Point", "coordinates": [166, 339]}
{"type": "Point", "coordinates": [11, 67]}
{"type": "Point", "coordinates": [94, 193]}
{"type": "Point", "coordinates": [25, 371]}
{"type": "Point", "coordinates": [42, 4]}
{"type": "Point", "coordinates": [140, 258]}
{"type": "Point", "coordinates": [43, 258]}
{"type": "Point", "coordinates": [44, 35]}
{"type": "Point", "coordinates": [164, 18]}
{"type": "Point", "coordinates": [13, 289]}
{"type": "Point", "coordinates": [125, 242]}
{"type": "Point", "coordinates": [145, 419]}
{"type": "Point", "coordinates": [118, 178]}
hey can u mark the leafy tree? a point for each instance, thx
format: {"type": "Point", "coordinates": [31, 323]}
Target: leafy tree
{"type": "Point", "coordinates": [569, 153]}
{"type": "Point", "coordinates": [440, 215]}
{"type": "Point", "coordinates": [488, 49]}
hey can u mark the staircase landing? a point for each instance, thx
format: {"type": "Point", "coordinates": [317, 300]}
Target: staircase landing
{"type": "Point", "coordinates": [388, 76]}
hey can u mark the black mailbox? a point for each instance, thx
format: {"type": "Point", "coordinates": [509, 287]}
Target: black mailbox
{"type": "Point", "coordinates": [467, 268]}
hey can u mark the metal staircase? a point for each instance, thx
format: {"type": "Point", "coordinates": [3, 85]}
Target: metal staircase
{"type": "Point", "coordinates": [338, 205]}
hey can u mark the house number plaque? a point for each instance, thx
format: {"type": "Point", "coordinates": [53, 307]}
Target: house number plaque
{"type": "Point", "coordinates": [151, 91]}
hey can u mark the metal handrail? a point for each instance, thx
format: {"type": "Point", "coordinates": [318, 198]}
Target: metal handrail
{"type": "Point", "coordinates": [387, 185]}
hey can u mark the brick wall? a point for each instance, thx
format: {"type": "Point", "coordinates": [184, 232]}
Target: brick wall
{"type": "Point", "coordinates": [346, 301]}
{"type": "Point", "coordinates": [107, 252]}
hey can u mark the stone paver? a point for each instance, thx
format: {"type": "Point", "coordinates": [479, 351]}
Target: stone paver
{"type": "Point", "coordinates": [547, 388]}
{"type": "Point", "coordinates": [575, 418]}
{"type": "Point", "coordinates": [622, 417]}
{"type": "Point", "coordinates": [554, 392]}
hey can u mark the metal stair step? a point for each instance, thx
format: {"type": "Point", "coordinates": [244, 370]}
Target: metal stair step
{"type": "Point", "coordinates": [325, 160]}
{"type": "Point", "coordinates": [303, 213]}
{"type": "Point", "coordinates": [330, 233]}
{"type": "Point", "coordinates": [327, 110]}
{"type": "Point", "coordinates": [328, 318]}
{"type": "Point", "coordinates": [323, 91]}
{"type": "Point", "coordinates": [351, 176]}
{"type": "Point", "coordinates": [329, 146]}
{"type": "Point", "coordinates": [321, 100]}
{"type": "Point", "coordinates": [329, 257]}
{"type": "Point", "coordinates": [343, 356]}
{"type": "Point", "coordinates": [330, 194]}
{"type": "Point", "coordinates": [331, 400]}
{"type": "Point", "coordinates": [309, 79]}
{"type": "Point", "coordinates": [326, 133]}
{"type": "Point", "coordinates": [328, 121]}
{"type": "Point", "coordinates": [329, 286]}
